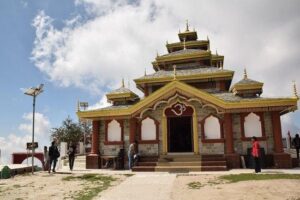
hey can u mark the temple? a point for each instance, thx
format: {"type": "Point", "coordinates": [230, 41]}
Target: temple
{"type": "Point", "coordinates": [192, 117]}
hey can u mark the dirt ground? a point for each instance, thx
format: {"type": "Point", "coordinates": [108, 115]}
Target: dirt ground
{"type": "Point", "coordinates": [211, 187]}
{"type": "Point", "coordinates": [46, 186]}
{"type": "Point", "coordinates": [192, 187]}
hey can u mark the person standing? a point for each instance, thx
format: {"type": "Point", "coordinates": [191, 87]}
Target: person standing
{"type": "Point", "coordinates": [46, 158]}
{"type": "Point", "coordinates": [256, 154]}
{"type": "Point", "coordinates": [53, 156]}
{"type": "Point", "coordinates": [131, 152]}
{"type": "Point", "coordinates": [71, 153]}
{"type": "Point", "coordinates": [296, 144]}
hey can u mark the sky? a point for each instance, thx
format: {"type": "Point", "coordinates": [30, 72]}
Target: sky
{"type": "Point", "coordinates": [82, 49]}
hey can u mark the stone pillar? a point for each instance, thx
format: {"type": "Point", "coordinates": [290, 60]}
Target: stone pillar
{"type": "Point", "coordinates": [281, 159]}
{"type": "Point", "coordinates": [93, 159]}
{"type": "Point", "coordinates": [228, 133]}
{"type": "Point", "coordinates": [132, 132]}
{"type": "Point", "coordinates": [232, 158]}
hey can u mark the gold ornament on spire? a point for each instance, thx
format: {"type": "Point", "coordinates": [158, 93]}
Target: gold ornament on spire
{"type": "Point", "coordinates": [174, 70]}
{"type": "Point", "coordinates": [207, 38]}
{"type": "Point", "coordinates": [157, 55]}
{"type": "Point", "coordinates": [187, 25]}
{"type": "Point", "coordinates": [295, 90]}
{"type": "Point", "coordinates": [123, 85]}
{"type": "Point", "coordinates": [216, 52]}
{"type": "Point", "coordinates": [78, 106]}
{"type": "Point", "coordinates": [245, 74]}
{"type": "Point", "coordinates": [145, 72]}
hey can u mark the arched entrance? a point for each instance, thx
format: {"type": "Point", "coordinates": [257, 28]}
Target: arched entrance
{"type": "Point", "coordinates": [18, 158]}
{"type": "Point", "coordinates": [179, 129]}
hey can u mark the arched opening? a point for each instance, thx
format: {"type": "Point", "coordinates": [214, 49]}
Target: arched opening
{"type": "Point", "coordinates": [114, 132]}
{"type": "Point", "coordinates": [148, 129]}
{"type": "Point", "coordinates": [252, 126]}
{"type": "Point", "coordinates": [212, 128]}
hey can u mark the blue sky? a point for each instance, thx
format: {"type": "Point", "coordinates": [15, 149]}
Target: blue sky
{"type": "Point", "coordinates": [81, 49]}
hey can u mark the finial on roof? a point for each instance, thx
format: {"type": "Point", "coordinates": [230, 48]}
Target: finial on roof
{"type": "Point", "coordinates": [207, 38]}
{"type": "Point", "coordinates": [174, 70]}
{"type": "Point", "coordinates": [145, 72]}
{"type": "Point", "coordinates": [78, 106]}
{"type": "Point", "coordinates": [222, 65]}
{"type": "Point", "coordinates": [295, 89]}
{"type": "Point", "coordinates": [194, 29]}
{"type": "Point", "coordinates": [216, 52]}
{"type": "Point", "coordinates": [123, 85]}
{"type": "Point", "coordinates": [157, 53]}
{"type": "Point", "coordinates": [245, 74]}
{"type": "Point", "coordinates": [128, 84]}
{"type": "Point", "coordinates": [187, 25]}
{"type": "Point", "coordinates": [167, 42]}
{"type": "Point", "coordinates": [179, 31]}
{"type": "Point", "coordinates": [184, 47]}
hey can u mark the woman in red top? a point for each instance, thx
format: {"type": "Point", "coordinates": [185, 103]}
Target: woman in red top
{"type": "Point", "coordinates": [256, 154]}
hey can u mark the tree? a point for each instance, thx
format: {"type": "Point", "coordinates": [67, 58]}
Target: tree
{"type": "Point", "coordinates": [68, 132]}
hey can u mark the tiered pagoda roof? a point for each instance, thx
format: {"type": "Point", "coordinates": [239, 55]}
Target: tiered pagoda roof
{"type": "Point", "coordinates": [191, 69]}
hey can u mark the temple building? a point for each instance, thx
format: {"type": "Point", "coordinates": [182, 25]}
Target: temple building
{"type": "Point", "coordinates": [192, 117]}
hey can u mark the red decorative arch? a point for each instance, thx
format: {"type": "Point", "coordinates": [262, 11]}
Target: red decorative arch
{"type": "Point", "coordinates": [179, 109]}
{"type": "Point", "coordinates": [18, 158]}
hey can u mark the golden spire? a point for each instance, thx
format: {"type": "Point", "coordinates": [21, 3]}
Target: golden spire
{"type": "Point", "coordinates": [207, 38]}
{"type": "Point", "coordinates": [167, 42]}
{"type": "Point", "coordinates": [179, 31]}
{"type": "Point", "coordinates": [174, 70]}
{"type": "Point", "coordinates": [187, 25]}
{"type": "Point", "coordinates": [208, 46]}
{"type": "Point", "coordinates": [128, 84]}
{"type": "Point", "coordinates": [245, 74]}
{"type": "Point", "coordinates": [145, 72]}
{"type": "Point", "coordinates": [123, 85]}
{"type": "Point", "coordinates": [157, 54]}
{"type": "Point", "coordinates": [216, 52]}
{"type": "Point", "coordinates": [184, 47]}
{"type": "Point", "coordinates": [295, 90]}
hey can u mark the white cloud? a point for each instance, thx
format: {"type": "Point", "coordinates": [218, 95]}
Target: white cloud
{"type": "Point", "coordinates": [100, 104]}
{"type": "Point", "coordinates": [17, 142]}
{"type": "Point", "coordinates": [120, 38]}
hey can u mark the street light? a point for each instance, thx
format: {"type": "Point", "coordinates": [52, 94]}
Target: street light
{"type": "Point", "coordinates": [34, 92]}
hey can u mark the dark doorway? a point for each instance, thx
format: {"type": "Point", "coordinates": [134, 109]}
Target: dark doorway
{"type": "Point", "coordinates": [180, 134]}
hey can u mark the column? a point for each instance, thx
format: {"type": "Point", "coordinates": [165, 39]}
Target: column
{"type": "Point", "coordinates": [93, 159]}
{"type": "Point", "coordinates": [195, 133]}
{"type": "Point", "coordinates": [95, 138]}
{"type": "Point", "coordinates": [164, 134]}
{"type": "Point", "coordinates": [278, 147]}
{"type": "Point", "coordinates": [228, 133]}
{"type": "Point", "coordinates": [132, 132]}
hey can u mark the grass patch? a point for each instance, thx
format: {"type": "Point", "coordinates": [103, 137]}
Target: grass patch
{"type": "Point", "coordinates": [233, 178]}
{"type": "Point", "coordinates": [17, 186]}
{"type": "Point", "coordinates": [99, 183]}
{"type": "Point", "coordinates": [128, 175]}
{"type": "Point", "coordinates": [195, 185]}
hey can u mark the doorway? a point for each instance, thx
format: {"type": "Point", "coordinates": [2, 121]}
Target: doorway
{"type": "Point", "coordinates": [180, 137]}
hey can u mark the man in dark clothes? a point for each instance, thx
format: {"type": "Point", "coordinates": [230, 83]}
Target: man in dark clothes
{"type": "Point", "coordinates": [53, 155]}
{"type": "Point", "coordinates": [296, 143]}
{"type": "Point", "coordinates": [71, 153]}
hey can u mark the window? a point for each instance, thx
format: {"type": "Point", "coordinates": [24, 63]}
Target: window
{"type": "Point", "coordinates": [114, 132]}
{"type": "Point", "coordinates": [212, 128]}
{"type": "Point", "coordinates": [252, 126]}
{"type": "Point", "coordinates": [148, 129]}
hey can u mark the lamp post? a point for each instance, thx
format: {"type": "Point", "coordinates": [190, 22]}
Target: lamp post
{"type": "Point", "coordinates": [34, 92]}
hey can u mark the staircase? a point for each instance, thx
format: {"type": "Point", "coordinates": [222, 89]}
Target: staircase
{"type": "Point", "coordinates": [79, 163]}
{"type": "Point", "coordinates": [183, 163]}
{"type": "Point", "coordinates": [146, 164]}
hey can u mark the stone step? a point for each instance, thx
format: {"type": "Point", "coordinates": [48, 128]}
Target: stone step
{"type": "Point", "coordinates": [146, 164]}
{"type": "Point", "coordinates": [179, 159]}
{"type": "Point", "coordinates": [214, 168]}
{"type": "Point", "coordinates": [177, 168]}
{"type": "Point", "coordinates": [214, 163]}
{"type": "Point", "coordinates": [143, 169]}
{"type": "Point", "coordinates": [176, 163]}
